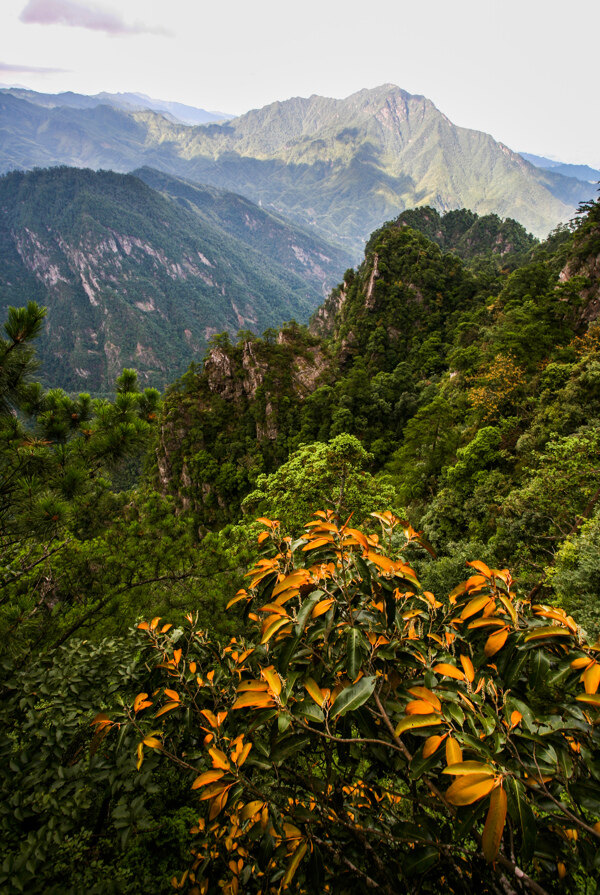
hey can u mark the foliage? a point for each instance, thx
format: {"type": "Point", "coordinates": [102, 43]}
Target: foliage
{"type": "Point", "coordinates": [371, 736]}
{"type": "Point", "coordinates": [318, 473]}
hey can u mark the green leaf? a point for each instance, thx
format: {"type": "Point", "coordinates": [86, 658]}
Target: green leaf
{"type": "Point", "coordinates": [283, 722]}
{"type": "Point", "coordinates": [309, 710]}
{"type": "Point", "coordinates": [305, 610]}
{"type": "Point", "coordinates": [288, 746]}
{"type": "Point", "coordinates": [522, 815]}
{"type": "Point", "coordinates": [353, 697]}
{"type": "Point", "coordinates": [419, 861]}
{"type": "Point", "coordinates": [355, 650]}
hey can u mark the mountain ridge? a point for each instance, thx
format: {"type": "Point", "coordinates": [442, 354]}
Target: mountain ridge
{"type": "Point", "coordinates": [340, 165]}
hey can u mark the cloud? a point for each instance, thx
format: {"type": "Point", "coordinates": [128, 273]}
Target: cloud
{"type": "Point", "coordinates": [79, 15]}
{"type": "Point", "coordinates": [30, 69]}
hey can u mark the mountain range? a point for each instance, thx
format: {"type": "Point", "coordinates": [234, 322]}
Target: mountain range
{"type": "Point", "coordinates": [579, 172]}
{"type": "Point", "coordinates": [130, 102]}
{"type": "Point", "coordinates": [342, 166]}
{"type": "Point", "coordinates": [142, 274]}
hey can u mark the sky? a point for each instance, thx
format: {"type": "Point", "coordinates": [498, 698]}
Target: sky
{"type": "Point", "coordinates": [524, 71]}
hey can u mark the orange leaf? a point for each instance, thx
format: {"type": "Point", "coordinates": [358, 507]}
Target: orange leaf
{"type": "Point", "coordinates": [176, 656]}
{"type": "Point", "coordinates": [494, 824]}
{"type": "Point", "coordinates": [474, 606]}
{"type": "Point", "coordinates": [413, 721]}
{"type": "Point", "coordinates": [154, 622]}
{"type": "Point", "coordinates": [467, 668]}
{"type": "Point", "coordinates": [251, 809]}
{"type": "Point", "coordinates": [591, 698]}
{"type": "Point", "coordinates": [253, 700]}
{"type": "Point", "coordinates": [424, 693]}
{"type": "Point", "coordinates": [469, 789]}
{"type": "Point", "coordinates": [294, 579]}
{"type": "Point", "coordinates": [172, 694]}
{"type": "Point", "coordinates": [418, 707]}
{"type": "Point", "coordinates": [495, 642]}
{"type": "Point", "coordinates": [219, 759]}
{"type": "Point", "coordinates": [263, 536]}
{"type": "Point", "coordinates": [275, 609]}
{"type": "Point", "coordinates": [314, 691]}
{"type": "Point", "coordinates": [359, 536]}
{"type": "Point", "coordinates": [206, 778]}
{"type": "Point", "coordinates": [481, 567]}
{"type": "Point", "coordinates": [432, 744]}
{"type": "Point", "coordinates": [318, 542]}
{"type": "Point", "coordinates": [209, 717]}
{"type": "Point", "coordinates": [547, 631]}
{"type": "Point", "coordinates": [272, 628]}
{"type": "Point", "coordinates": [466, 768]}
{"type": "Point", "coordinates": [515, 718]}
{"type": "Point", "coordinates": [273, 680]}
{"type": "Point", "coordinates": [244, 754]}
{"type": "Point", "coordinates": [487, 622]}
{"type": "Point", "coordinates": [167, 708]}
{"type": "Point", "coordinates": [591, 678]}
{"type": "Point", "coordinates": [139, 699]}
{"type": "Point", "coordinates": [241, 595]}
{"type": "Point", "coordinates": [322, 607]}
{"type": "Point", "coordinates": [453, 752]}
{"type": "Point", "coordinates": [383, 562]}
{"type": "Point", "coordinates": [448, 671]}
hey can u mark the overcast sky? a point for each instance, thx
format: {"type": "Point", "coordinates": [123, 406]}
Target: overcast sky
{"type": "Point", "coordinates": [525, 71]}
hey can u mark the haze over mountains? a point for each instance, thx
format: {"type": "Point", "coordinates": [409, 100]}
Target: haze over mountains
{"type": "Point", "coordinates": [340, 166]}
{"type": "Point", "coordinates": [130, 102]}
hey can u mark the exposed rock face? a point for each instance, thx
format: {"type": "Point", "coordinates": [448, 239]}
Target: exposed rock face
{"type": "Point", "coordinates": [370, 299]}
{"type": "Point", "coordinates": [252, 378]}
{"type": "Point", "coordinates": [584, 268]}
{"type": "Point", "coordinates": [152, 280]}
{"type": "Point", "coordinates": [323, 320]}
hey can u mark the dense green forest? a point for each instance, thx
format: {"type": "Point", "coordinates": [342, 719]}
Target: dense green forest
{"type": "Point", "coordinates": [140, 274]}
{"type": "Point", "coordinates": [401, 693]}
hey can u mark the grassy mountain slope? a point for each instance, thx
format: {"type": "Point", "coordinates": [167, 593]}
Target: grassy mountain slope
{"type": "Point", "coordinates": [343, 166]}
{"type": "Point", "coordinates": [131, 278]}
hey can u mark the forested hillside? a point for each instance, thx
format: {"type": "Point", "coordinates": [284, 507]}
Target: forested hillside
{"type": "Point", "coordinates": [135, 277]}
{"type": "Point", "coordinates": [403, 689]}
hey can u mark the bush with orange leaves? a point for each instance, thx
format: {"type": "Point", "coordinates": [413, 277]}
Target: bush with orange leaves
{"type": "Point", "coordinates": [369, 736]}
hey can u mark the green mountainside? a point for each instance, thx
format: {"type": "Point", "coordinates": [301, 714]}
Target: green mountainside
{"type": "Point", "coordinates": [463, 381]}
{"type": "Point", "coordinates": [131, 278]}
{"type": "Point", "coordinates": [295, 248]}
{"type": "Point", "coordinates": [388, 679]}
{"type": "Point", "coordinates": [342, 166]}
{"type": "Point", "coordinates": [469, 235]}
